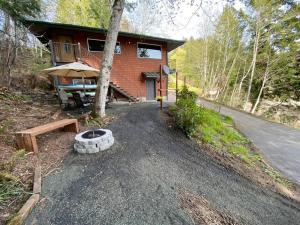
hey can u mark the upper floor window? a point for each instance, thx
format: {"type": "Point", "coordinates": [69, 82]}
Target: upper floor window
{"type": "Point", "coordinates": [95, 45]}
{"type": "Point", "coordinates": [149, 51]}
{"type": "Point", "coordinates": [67, 47]}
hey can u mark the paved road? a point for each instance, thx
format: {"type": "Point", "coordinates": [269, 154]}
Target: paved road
{"type": "Point", "coordinates": [279, 144]}
{"type": "Point", "coordinates": [138, 181]}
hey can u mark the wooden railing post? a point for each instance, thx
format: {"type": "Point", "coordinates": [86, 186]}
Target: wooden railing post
{"type": "Point", "coordinates": [79, 52]}
{"type": "Point", "coordinates": [51, 45]}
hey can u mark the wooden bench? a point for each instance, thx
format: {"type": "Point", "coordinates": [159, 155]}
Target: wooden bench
{"type": "Point", "coordinates": [27, 138]}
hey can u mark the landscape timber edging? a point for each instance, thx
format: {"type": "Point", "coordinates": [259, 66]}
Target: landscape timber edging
{"type": "Point", "coordinates": [22, 214]}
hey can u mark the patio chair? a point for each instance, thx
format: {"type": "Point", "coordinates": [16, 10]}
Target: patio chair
{"type": "Point", "coordinates": [64, 100]}
{"type": "Point", "coordinates": [78, 100]}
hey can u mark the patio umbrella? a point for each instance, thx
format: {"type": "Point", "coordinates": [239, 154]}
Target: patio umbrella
{"type": "Point", "coordinates": [75, 69]}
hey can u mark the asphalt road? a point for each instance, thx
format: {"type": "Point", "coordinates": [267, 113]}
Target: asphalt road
{"type": "Point", "coordinates": [138, 181]}
{"type": "Point", "coordinates": [278, 143]}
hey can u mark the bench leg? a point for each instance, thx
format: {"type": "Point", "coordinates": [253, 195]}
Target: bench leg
{"type": "Point", "coordinates": [27, 142]}
{"type": "Point", "coordinates": [72, 128]}
{"type": "Point", "coordinates": [20, 141]}
{"type": "Point", "coordinates": [34, 144]}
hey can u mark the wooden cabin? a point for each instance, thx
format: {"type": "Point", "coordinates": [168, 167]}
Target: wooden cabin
{"type": "Point", "coordinates": [136, 64]}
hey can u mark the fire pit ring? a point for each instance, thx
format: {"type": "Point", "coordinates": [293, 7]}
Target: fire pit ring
{"type": "Point", "coordinates": [93, 141]}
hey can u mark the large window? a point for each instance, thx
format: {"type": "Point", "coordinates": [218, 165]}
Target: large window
{"type": "Point", "coordinates": [96, 45]}
{"type": "Point", "coordinates": [149, 51]}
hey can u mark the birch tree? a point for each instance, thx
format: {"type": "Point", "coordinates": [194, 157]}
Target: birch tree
{"type": "Point", "coordinates": [107, 60]}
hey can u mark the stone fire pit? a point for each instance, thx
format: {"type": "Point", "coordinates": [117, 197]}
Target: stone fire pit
{"type": "Point", "coordinates": [93, 141]}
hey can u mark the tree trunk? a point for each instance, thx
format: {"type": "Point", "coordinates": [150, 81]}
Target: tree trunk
{"type": "Point", "coordinates": [205, 66]}
{"type": "Point", "coordinates": [242, 80]}
{"type": "Point", "coordinates": [107, 60]}
{"type": "Point", "coordinates": [226, 86]}
{"type": "Point", "coordinates": [261, 90]}
{"type": "Point", "coordinates": [255, 49]}
{"type": "Point", "coordinates": [265, 79]}
{"type": "Point", "coordinates": [234, 86]}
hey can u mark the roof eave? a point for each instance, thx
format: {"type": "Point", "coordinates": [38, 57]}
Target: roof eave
{"type": "Point", "coordinates": [42, 26]}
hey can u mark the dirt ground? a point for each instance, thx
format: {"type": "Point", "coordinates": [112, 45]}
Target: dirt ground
{"type": "Point", "coordinates": [19, 111]}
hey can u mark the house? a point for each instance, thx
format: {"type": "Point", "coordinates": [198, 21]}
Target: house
{"type": "Point", "coordinates": [137, 60]}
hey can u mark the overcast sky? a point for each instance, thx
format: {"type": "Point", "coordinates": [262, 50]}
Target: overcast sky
{"type": "Point", "coordinates": [197, 22]}
{"type": "Point", "coordinates": [192, 21]}
{"type": "Point", "coordinates": [189, 21]}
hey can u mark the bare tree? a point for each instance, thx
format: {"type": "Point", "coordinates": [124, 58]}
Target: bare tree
{"type": "Point", "coordinates": [107, 60]}
{"type": "Point", "coordinates": [255, 50]}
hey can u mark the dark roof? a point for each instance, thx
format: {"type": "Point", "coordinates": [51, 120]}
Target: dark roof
{"type": "Point", "coordinates": [39, 28]}
{"type": "Point", "coordinates": [150, 75]}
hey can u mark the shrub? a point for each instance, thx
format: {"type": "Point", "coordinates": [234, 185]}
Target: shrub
{"type": "Point", "coordinates": [186, 112]}
{"type": "Point", "coordinates": [210, 126]}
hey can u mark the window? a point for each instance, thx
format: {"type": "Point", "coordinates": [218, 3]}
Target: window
{"type": "Point", "coordinates": [67, 47]}
{"type": "Point", "coordinates": [149, 51]}
{"type": "Point", "coordinates": [95, 45]}
{"type": "Point", "coordinates": [86, 81]}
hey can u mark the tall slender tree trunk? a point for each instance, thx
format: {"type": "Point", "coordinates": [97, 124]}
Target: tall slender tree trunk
{"type": "Point", "coordinates": [265, 79]}
{"type": "Point", "coordinates": [255, 48]}
{"type": "Point", "coordinates": [225, 61]}
{"type": "Point", "coordinates": [261, 90]}
{"type": "Point", "coordinates": [205, 66]}
{"type": "Point", "coordinates": [226, 86]}
{"type": "Point", "coordinates": [107, 60]}
{"type": "Point", "coordinates": [234, 87]}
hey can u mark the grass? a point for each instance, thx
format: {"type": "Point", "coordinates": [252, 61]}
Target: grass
{"type": "Point", "coordinates": [172, 84]}
{"type": "Point", "coordinates": [10, 186]}
{"type": "Point", "coordinates": [4, 126]}
{"type": "Point", "coordinates": [276, 175]}
{"type": "Point", "coordinates": [219, 132]}
{"type": "Point", "coordinates": [211, 127]}
{"type": "Point", "coordinates": [10, 189]}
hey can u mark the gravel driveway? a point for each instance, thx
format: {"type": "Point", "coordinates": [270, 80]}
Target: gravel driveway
{"type": "Point", "coordinates": [139, 179]}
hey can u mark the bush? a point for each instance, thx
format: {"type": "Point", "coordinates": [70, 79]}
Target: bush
{"type": "Point", "coordinates": [186, 112]}
{"type": "Point", "coordinates": [209, 126]}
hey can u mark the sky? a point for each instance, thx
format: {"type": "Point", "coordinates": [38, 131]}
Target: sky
{"type": "Point", "coordinates": [190, 20]}
{"type": "Point", "coordinates": [194, 21]}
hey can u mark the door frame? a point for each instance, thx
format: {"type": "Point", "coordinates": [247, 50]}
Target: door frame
{"type": "Point", "coordinates": [60, 54]}
{"type": "Point", "coordinates": [154, 81]}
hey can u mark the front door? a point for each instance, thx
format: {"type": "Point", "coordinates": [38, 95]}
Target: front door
{"type": "Point", "coordinates": [151, 90]}
{"type": "Point", "coordinates": [64, 49]}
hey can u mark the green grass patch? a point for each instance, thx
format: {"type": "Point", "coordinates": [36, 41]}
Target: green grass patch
{"type": "Point", "coordinates": [172, 85]}
{"type": "Point", "coordinates": [5, 125]}
{"type": "Point", "coordinates": [217, 130]}
{"type": "Point", "coordinates": [276, 175]}
{"type": "Point", "coordinates": [210, 127]}
{"type": "Point", "coordinates": [10, 187]}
